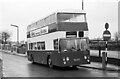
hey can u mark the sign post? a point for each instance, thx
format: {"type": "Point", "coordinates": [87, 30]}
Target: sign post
{"type": "Point", "coordinates": [106, 38]}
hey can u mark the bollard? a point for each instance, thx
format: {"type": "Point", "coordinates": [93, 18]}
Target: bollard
{"type": "Point", "coordinates": [104, 60]}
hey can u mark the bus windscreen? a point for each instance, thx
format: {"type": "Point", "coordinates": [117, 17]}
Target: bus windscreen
{"type": "Point", "coordinates": [74, 44]}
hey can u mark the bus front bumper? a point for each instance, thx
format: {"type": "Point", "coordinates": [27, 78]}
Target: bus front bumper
{"type": "Point", "coordinates": [75, 62]}
{"type": "Point", "coordinates": [69, 61]}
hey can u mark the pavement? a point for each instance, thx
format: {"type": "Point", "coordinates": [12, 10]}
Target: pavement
{"type": "Point", "coordinates": [1, 69]}
{"type": "Point", "coordinates": [93, 65]}
{"type": "Point", "coordinates": [14, 53]}
{"type": "Point", "coordinates": [97, 65]}
{"type": "Point", "coordinates": [1, 64]}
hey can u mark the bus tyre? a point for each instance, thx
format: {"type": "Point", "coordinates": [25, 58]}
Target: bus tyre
{"type": "Point", "coordinates": [32, 60]}
{"type": "Point", "coordinates": [74, 67]}
{"type": "Point", "coordinates": [50, 62]}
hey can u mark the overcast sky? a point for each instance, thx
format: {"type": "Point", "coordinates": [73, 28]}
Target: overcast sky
{"type": "Point", "coordinates": [25, 12]}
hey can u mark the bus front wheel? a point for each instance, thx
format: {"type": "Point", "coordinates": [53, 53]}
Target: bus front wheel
{"type": "Point", "coordinates": [74, 67]}
{"type": "Point", "coordinates": [50, 62]}
{"type": "Point", "coordinates": [32, 59]}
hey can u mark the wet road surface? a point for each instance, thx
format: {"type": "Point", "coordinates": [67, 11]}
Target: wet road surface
{"type": "Point", "coordinates": [17, 66]}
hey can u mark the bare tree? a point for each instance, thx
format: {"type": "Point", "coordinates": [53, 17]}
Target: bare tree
{"type": "Point", "coordinates": [4, 36]}
{"type": "Point", "coordinates": [117, 36]}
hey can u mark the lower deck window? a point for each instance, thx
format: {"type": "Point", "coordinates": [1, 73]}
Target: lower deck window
{"type": "Point", "coordinates": [37, 46]}
{"type": "Point", "coordinates": [30, 46]}
{"type": "Point", "coordinates": [41, 45]}
{"type": "Point", "coordinates": [55, 44]}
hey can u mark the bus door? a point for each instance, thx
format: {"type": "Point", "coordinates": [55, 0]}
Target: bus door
{"type": "Point", "coordinates": [41, 51]}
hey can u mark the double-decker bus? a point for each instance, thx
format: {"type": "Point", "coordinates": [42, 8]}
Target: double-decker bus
{"type": "Point", "coordinates": [60, 39]}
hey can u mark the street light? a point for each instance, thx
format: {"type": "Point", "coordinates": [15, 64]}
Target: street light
{"type": "Point", "coordinates": [82, 5]}
{"type": "Point", "coordinates": [17, 33]}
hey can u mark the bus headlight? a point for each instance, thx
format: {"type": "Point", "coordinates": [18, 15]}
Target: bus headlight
{"type": "Point", "coordinates": [88, 60]}
{"type": "Point", "coordinates": [64, 62]}
{"type": "Point", "coordinates": [67, 58]}
{"type": "Point", "coordinates": [63, 59]}
{"type": "Point", "coordinates": [85, 57]}
{"type": "Point", "coordinates": [88, 57]}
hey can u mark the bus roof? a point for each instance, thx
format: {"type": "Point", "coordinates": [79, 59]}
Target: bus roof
{"type": "Point", "coordinates": [33, 25]}
{"type": "Point", "coordinates": [70, 11]}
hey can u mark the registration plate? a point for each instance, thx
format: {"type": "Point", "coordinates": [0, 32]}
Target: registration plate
{"type": "Point", "coordinates": [77, 59]}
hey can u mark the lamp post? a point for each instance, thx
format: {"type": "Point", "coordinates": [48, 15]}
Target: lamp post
{"type": "Point", "coordinates": [82, 5]}
{"type": "Point", "coordinates": [17, 33]}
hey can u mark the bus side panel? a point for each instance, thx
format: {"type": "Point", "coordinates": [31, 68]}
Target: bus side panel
{"type": "Point", "coordinates": [45, 55]}
{"type": "Point", "coordinates": [56, 59]}
{"type": "Point", "coordinates": [75, 58]}
{"type": "Point", "coordinates": [42, 56]}
{"type": "Point", "coordinates": [37, 56]}
{"type": "Point", "coordinates": [52, 54]}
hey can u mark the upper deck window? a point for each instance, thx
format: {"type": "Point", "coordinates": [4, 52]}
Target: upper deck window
{"type": "Point", "coordinates": [70, 17]}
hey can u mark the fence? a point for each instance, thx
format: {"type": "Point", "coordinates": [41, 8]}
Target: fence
{"type": "Point", "coordinates": [96, 45]}
{"type": "Point", "coordinates": [20, 49]}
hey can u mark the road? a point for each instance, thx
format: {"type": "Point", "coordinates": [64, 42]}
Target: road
{"type": "Point", "coordinates": [17, 66]}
